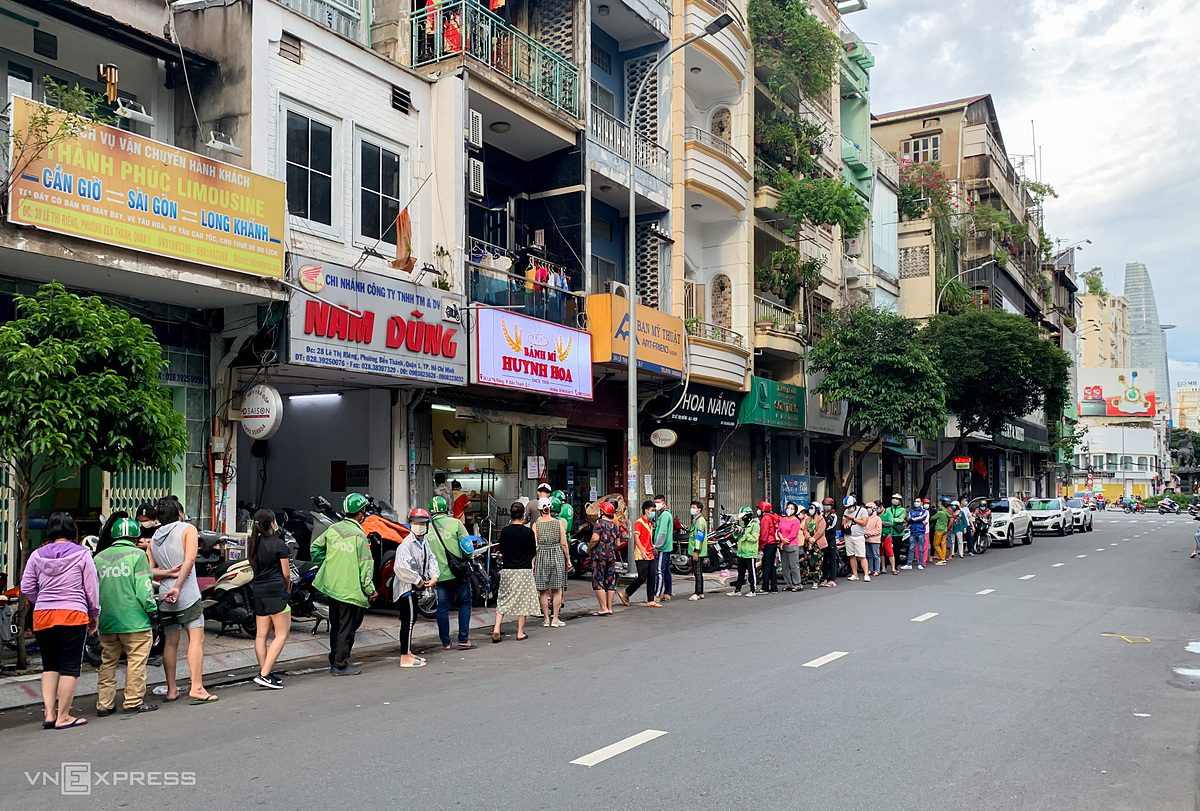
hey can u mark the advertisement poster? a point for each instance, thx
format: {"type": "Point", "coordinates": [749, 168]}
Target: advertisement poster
{"type": "Point", "coordinates": [517, 352]}
{"type": "Point", "coordinates": [121, 189]}
{"type": "Point", "coordinates": [793, 488]}
{"type": "Point", "coordinates": [659, 335]}
{"type": "Point", "coordinates": [398, 329]}
{"type": "Point", "coordinates": [1107, 392]}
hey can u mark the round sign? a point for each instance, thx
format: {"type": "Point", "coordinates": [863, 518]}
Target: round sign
{"type": "Point", "coordinates": [262, 411]}
{"type": "Point", "coordinates": [663, 438]}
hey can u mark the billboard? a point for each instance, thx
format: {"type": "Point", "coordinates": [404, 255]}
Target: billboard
{"type": "Point", "coordinates": [514, 351]}
{"type": "Point", "coordinates": [659, 335]}
{"type": "Point", "coordinates": [1105, 392]}
{"type": "Point", "coordinates": [113, 187]}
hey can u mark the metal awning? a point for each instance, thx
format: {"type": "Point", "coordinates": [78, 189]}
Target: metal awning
{"type": "Point", "coordinates": [903, 451]}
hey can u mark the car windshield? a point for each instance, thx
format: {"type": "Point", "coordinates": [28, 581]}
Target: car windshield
{"type": "Point", "coordinates": [998, 506]}
{"type": "Point", "coordinates": [1045, 504]}
{"type": "Point", "coordinates": [1075, 502]}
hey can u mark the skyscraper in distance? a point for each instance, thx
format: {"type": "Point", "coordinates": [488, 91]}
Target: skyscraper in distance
{"type": "Point", "coordinates": [1147, 344]}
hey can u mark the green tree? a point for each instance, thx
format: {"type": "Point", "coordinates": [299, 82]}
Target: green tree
{"type": "Point", "coordinates": [874, 362]}
{"type": "Point", "coordinates": [798, 51]}
{"type": "Point", "coordinates": [824, 201]}
{"type": "Point", "coordinates": [996, 368]}
{"type": "Point", "coordinates": [80, 388]}
{"type": "Point", "coordinates": [1094, 279]}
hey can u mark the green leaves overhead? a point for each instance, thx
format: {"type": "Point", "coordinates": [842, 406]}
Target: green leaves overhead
{"type": "Point", "coordinates": [824, 201]}
{"type": "Point", "coordinates": [797, 49]}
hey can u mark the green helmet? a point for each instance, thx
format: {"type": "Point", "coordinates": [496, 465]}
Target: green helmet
{"type": "Point", "coordinates": [556, 500]}
{"type": "Point", "coordinates": [745, 511]}
{"type": "Point", "coordinates": [354, 503]}
{"type": "Point", "coordinates": [126, 528]}
{"type": "Point", "coordinates": [438, 504]}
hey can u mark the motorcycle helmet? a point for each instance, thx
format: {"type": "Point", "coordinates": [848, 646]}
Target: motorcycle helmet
{"type": "Point", "coordinates": [543, 488]}
{"type": "Point", "coordinates": [467, 544]}
{"type": "Point", "coordinates": [126, 528]}
{"type": "Point", "coordinates": [354, 503]}
{"type": "Point", "coordinates": [827, 502]}
{"type": "Point", "coordinates": [418, 515]}
{"type": "Point", "coordinates": [896, 500]}
{"type": "Point", "coordinates": [765, 506]}
{"type": "Point", "coordinates": [556, 500]}
{"type": "Point", "coordinates": [745, 513]}
{"type": "Point", "coordinates": [607, 508]}
{"type": "Point", "coordinates": [849, 501]}
{"type": "Point", "coordinates": [438, 504]}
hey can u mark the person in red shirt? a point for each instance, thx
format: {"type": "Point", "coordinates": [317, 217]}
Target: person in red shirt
{"type": "Point", "coordinates": [768, 544]}
{"type": "Point", "coordinates": [459, 501]}
{"type": "Point", "coordinates": [643, 555]}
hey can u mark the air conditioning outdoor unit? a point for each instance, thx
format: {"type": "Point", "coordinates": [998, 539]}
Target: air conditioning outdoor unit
{"type": "Point", "coordinates": [854, 247]}
{"type": "Point", "coordinates": [619, 289]}
{"type": "Point", "coordinates": [475, 177]}
{"type": "Point", "coordinates": [475, 129]}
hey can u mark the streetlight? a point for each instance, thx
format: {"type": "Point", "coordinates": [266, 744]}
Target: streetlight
{"type": "Point", "coordinates": [937, 304]}
{"type": "Point", "coordinates": [632, 502]}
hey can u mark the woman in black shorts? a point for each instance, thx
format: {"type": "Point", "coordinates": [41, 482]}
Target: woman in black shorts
{"type": "Point", "coordinates": [268, 556]}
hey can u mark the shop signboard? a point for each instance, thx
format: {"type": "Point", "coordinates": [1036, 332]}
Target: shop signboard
{"type": "Point", "coordinates": [825, 415]}
{"type": "Point", "coordinates": [793, 488]}
{"type": "Point", "coordinates": [261, 411]}
{"type": "Point", "coordinates": [394, 328]}
{"type": "Point", "coordinates": [962, 462]}
{"type": "Point", "coordinates": [663, 438]}
{"type": "Point", "coordinates": [774, 404]}
{"type": "Point", "coordinates": [113, 187]}
{"type": "Point", "coordinates": [1116, 393]}
{"type": "Point", "coordinates": [659, 336]}
{"type": "Point", "coordinates": [705, 405]}
{"type": "Point", "coordinates": [517, 352]}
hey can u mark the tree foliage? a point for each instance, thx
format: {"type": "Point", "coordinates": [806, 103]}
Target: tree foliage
{"type": "Point", "coordinates": [1094, 279]}
{"type": "Point", "coordinates": [996, 368]}
{"type": "Point", "coordinates": [80, 388]}
{"type": "Point", "coordinates": [824, 201]}
{"type": "Point", "coordinates": [799, 52]}
{"type": "Point", "coordinates": [874, 362]}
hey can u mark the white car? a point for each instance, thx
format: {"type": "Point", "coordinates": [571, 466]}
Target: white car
{"type": "Point", "coordinates": [1010, 521]}
{"type": "Point", "coordinates": [1081, 514]}
{"type": "Point", "coordinates": [1051, 515]}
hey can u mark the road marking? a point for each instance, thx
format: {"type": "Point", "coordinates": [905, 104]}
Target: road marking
{"type": "Point", "coordinates": [1056, 565]}
{"type": "Point", "coordinates": [985, 591]}
{"type": "Point", "coordinates": [1101, 549]}
{"type": "Point", "coordinates": [1141, 715]}
{"type": "Point", "coordinates": [1132, 640]}
{"type": "Point", "coordinates": [927, 616]}
{"type": "Point", "coordinates": [611, 751]}
{"type": "Point", "coordinates": [1187, 671]}
{"type": "Point", "coordinates": [1027, 577]}
{"type": "Point", "coordinates": [1112, 544]}
{"type": "Point", "coordinates": [826, 659]}
{"type": "Point", "coordinates": [1081, 556]}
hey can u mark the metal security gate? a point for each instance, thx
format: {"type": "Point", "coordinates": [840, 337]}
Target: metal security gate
{"type": "Point", "coordinates": [735, 473]}
{"type": "Point", "coordinates": [673, 478]}
{"type": "Point", "coordinates": [130, 489]}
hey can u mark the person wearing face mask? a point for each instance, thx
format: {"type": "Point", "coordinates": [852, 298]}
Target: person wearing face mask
{"type": "Point", "coordinates": [895, 518]}
{"type": "Point", "coordinates": [698, 546]}
{"type": "Point", "coordinates": [789, 541]}
{"type": "Point", "coordinates": [830, 556]}
{"type": "Point", "coordinates": [918, 519]}
{"type": "Point", "coordinates": [416, 567]}
{"type": "Point", "coordinates": [747, 551]}
{"type": "Point", "coordinates": [664, 545]}
{"type": "Point", "coordinates": [854, 521]}
{"type": "Point", "coordinates": [812, 530]}
{"type": "Point", "coordinates": [874, 536]}
{"type": "Point", "coordinates": [768, 544]}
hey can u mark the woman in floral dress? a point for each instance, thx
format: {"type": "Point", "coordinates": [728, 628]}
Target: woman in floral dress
{"type": "Point", "coordinates": [604, 558]}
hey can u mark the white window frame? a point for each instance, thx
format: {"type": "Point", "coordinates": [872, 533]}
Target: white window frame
{"type": "Point", "coordinates": [923, 149]}
{"type": "Point", "coordinates": [336, 229]}
{"type": "Point", "coordinates": [387, 245]}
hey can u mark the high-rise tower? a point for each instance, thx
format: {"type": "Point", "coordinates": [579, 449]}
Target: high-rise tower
{"type": "Point", "coordinates": [1147, 344]}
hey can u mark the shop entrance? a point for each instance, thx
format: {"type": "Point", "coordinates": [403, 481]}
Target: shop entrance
{"type": "Point", "coordinates": [576, 466]}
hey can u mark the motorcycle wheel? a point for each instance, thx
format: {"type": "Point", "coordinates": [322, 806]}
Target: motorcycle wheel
{"type": "Point", "coordinates": [91, 650]}
{"type": "Point", "coordinates": [979, 544]}
{"type": "Point", "coordinates": [843, 569]}
{"type": "Point", "coordinates": [249, 625]}
{"type": "Point", "coordinates": [427, 603]}
{"type": "Point", "coordinates": [681, 564]}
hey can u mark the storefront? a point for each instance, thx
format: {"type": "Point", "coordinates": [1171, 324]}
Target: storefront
{"type": "Point", "coordinates": [824, 419]}
{"type": "Point", "coordinates": [773, 414]}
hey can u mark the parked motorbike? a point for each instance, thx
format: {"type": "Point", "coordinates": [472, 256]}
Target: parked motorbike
{"type": "Point", "coordinates": [227, 599]}
{"type": "Point", "coordinates": [579, 546]}
{"type": "Point", "coordinates": [981, 541]}
{"type": "Point", "coordinates": [722, 550]}
{"type": "Point", "coordinates": [304, 600]}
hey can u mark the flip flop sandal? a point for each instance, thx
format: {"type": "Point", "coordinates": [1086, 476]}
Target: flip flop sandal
{"type": "Point", "coordinates": [47, 725]}
{"type": "Point", "coordinates": [78, 722]}
{"type": "Point", "coordinates": [496, 637]}
{"type": "Point", "coordinates": [467, 646]}
{"type": "Point", "coordinates": [417, 662]}
{"type": "Point", "coordinates": [209, 699]}
{"type": "Point", "coordinates": [522, 638]}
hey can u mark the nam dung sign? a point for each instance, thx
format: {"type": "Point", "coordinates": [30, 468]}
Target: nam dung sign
{"type": "Point", "coordinates": [120, 189]}
{"type": "Point", "coordinates": [517, 352]}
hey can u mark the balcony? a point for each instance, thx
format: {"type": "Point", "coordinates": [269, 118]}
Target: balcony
{"type": "Point", "coordinates": [490, 281]}
{"type": "Point", "coordinates": [464, 29]}
{"type": "Point", "coordinates": [729, 48]}
{"type": "Point", "coordinates": [986, 168]}
{"type": "Point", "coordinates": [342, 17]}
{"type": "Point", "coordinates": [777, 329]}
{"type": "Point", "coordinates": [716, 169]}
{"type": "Point", "coordinates": [613, 135]}
{"type": "Point", "coordinates": [717, 355]}
{"type": "Point", "coordinates": [855, 156]}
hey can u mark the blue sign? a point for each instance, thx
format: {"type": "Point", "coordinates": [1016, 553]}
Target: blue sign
{"type": "Point", "coordinates": [793, 488]}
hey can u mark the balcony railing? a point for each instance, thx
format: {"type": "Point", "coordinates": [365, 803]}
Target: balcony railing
{"type": "Point", "coordinates": [780, 317]}
{"type": "Point", "coordinates": [465, 28]}
{"type": "Point", "coordinates": [613, 134]}
{"type": "Point", "coordinates": [708, 139]}
{"type": "Point", "coordinates": [524, 294]}
{"type": "Point", "coordinates": [734, 11]}
{"type": "Point", "coordinates": [715, 332]}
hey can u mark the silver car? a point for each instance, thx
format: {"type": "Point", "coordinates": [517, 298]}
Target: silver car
{"type": "Point", "coordinates": [1051, 515]}
{"type": "Point", "coordinates": [1011, 522]}
{"type": "Point", "coordinates": [1081, 514]}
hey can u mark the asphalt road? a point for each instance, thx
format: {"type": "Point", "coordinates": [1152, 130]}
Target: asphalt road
{"type": "Point", "coordinates": [1019, 698]}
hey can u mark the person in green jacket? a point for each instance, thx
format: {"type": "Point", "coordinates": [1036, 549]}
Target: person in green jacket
{"type": "Point", "coordinates": [698, 546]}
{"type": "Point", "coordinates": [126, 606]}
{"type": "Point", "coordinates": [664, 544]}
{"type": "Point", "coordinates": [563, 510]}
{"type": "Point", "coordinates": [444, 537]}
{"type": "Point", "coordinates": [747, 551]}
{"type": "Point", "coordinates": [895, 519]}
{"type": "Point", "coordinates": [347, 579]}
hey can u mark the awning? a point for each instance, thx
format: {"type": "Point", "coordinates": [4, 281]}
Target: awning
{"type": "Point", "coordinates": [496, 417]}
{"type": "Point", "coordinates": [903, 451]}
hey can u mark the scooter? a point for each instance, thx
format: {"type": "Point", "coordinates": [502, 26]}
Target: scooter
{"type": "Point", "coordinates": [981, 541]}
{"type": "Point", "coordinates": [721, 554]}
{"type": "Point", "coordinates": [227, 600]}
{"type": "Point", "coordinates": [1193, 510]}
{"type": "Point", "coordinates": [1135, 507]}
{"type": "Point", "coordinates": [1168, 508]}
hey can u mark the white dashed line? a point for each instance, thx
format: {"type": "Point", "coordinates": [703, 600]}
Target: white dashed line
{"type": "Point", "coordinates": [985, 591]}
{"type": "Point", "coordinates": [1081, 556]}
{"type": "Point", "coordinates": [601, 755]}
{"type": "Point", "coordinates": [1027, 577]}
{"type": "Point", "coordinates": [1112, 544]}
{"type": "Point", "coordinates": [826, 659]}
{"type": "Point", "coordinates": [1056, 565]}
{"type": "Point", "coordinates": [927, 616]}
{"type": "Point", "coordinates": [1101, 549]}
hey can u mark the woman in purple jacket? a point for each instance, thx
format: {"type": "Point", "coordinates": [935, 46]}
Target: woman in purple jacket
{"type": "Point", "coordinates": [60, 581]}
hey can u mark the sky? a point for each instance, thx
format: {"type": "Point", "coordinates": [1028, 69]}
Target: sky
{"type": "Point", "coordinates": [1112, 88]}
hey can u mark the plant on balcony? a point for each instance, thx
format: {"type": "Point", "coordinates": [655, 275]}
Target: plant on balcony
{"type": "Point", "coordinates": [789, 141]}
{"type": "Point", "coordinates": [956, 297]}
{"type": "Point", "coordinates": [925, 190]}
{"type": "Point", "coordinates": [1069, 322]}
{"type": "Point", "coordinates": [800, 53]}
{"type": "Point", "coordinates": [1094, 279]}
{"type": "Point", "coordinates": [787, 273]}
{"type": "Point", "coordinates": [984, 220]}
{"type": "Point", "coordinates": [1001, 258]}
{"type": "Point", "coordinates": [824, 201]}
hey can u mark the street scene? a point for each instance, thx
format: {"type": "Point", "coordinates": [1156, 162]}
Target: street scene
{"type": "Point", "coordinates": [560, 403]}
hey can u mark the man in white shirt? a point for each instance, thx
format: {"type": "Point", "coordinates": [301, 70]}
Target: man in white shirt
{"type": "Point", "coordinates": [854, 522]}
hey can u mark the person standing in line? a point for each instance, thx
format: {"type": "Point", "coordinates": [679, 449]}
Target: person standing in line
{"type": "Point", "coordinates": [644, 558]}
{"type": "Point", "coordinates": [60, 582]}
{"type": "Point", "coordinates": [531, 507]}
{"type": "Point", "coordinates": [459, 501]}
{"type": "Point", "coordinates": [605, 538]}
{"type": "Point", "coordinates": [830, 552]}
{"type": "Point", "coordinates": [854, 522]}
{"type": "Point", "coordinates": [174, 548]}
{"type": "Point", "coordinates": [269, 559]}
{"type": "Point", "coordinates": [768, 545]}
{"type": "Point", "coordinates": [698, 546]}
{"type": "Point", "coordinates": [928, 507]}
{"type": "Point", "coordinates": [918, 520]}
{"type": "Point", "coordinates": [812, 530]}
{"type": "Point", "coordinates": [895, 519]}
{"type": "Point", "coordinates": [127, 600]}
{"type": "Point", "coordinates": [941, 525]}
{"type": "Point", "coordinates": [552, 565]}
{"type": "Point", "coordinates": [747, 552]}
{"type": "Point", "coordinates": [664, 546]}
{"type": "Point", "coordinates": [415, 567]}
{"type": "Point", "coordinates": [789, 542]}
{"type": "Point", "coordinates": [958, 530]}
{"type": "Point", "coordinates": [454, 575]}
{"type": "Point", "coordinates": [873, 532]}
{"type": "Point", "coordinates": [347, 579]}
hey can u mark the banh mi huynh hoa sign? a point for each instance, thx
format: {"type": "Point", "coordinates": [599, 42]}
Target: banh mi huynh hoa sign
{"type": "Point", "coordinates": [121, 189]}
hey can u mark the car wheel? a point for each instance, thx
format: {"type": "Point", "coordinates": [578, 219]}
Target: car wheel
{"type": "Point", "coordinates": [1011, 539]}
{"type": "Point", "coordinates": [1028, 536]}
{"type": "Point", "coordinates": [1091, 526]}
{"type": "Point", "coordinates": [1062, 530]}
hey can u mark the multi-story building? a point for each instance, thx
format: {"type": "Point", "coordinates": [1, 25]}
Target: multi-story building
{"type": "Point", "coordinates": [1104, 331]}
{"type": "Point", "coordinates": [1147, 343]}
{"type": "Point", "coordinates": [1186, 400]}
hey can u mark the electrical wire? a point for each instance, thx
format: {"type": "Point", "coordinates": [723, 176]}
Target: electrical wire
{"type": "Point", "coordinates": [183, 65]}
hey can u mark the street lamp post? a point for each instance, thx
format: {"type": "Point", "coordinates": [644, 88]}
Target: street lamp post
{"type": "Point", "coordinates": [632, 502]}
{"type": "Point", "coordinates": [937, 304]}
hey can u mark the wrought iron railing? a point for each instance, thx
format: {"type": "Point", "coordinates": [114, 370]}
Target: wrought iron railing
{"type": "Point", "coordinates": [464, 28]}
{"type": "Point", "coordinates": [613, 134]}
{"type": "Point", "coordinates": [721, 145]}
{"type": "Point", "coordinates": [714, 332]}
{"type": "Point", "coordinates": [778, 315]}
{"type": "Point", "coordinates": [546, 298]}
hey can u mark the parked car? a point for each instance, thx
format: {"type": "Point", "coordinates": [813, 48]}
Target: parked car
{"type": "Point", "coordinates": [1081, 514]}
{"type": "Point", "coordinates": [1010, 521]}
{"type": "Point", "coordinates": [1051, 515]}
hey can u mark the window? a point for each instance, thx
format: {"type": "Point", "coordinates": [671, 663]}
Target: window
{"type": "Point", "coordinates": [817, 313]}
{"type": "Point", "coordinates": [922, 150]}
{"type": "Point", "coordinates": [309, 157]}
{"type": "Point", "coordinates": [602, 230]}
{"type": "Point", "coordinates": [603, 272]}
{"type": "Point", "coordinates": [1143, 463]}
{"type": "Point", "coordinates": [1126, 463]}
{"type": "Point", "coordinates": [381, 173]}
{"type": "Point", "coordinates": [931, 123]}
{"type": "Point", "coordinates": [603, 99]}
{"type": "Point", "coordinates": [1110, 461]}
{"type": "Point", "coordinates": [601, 59]}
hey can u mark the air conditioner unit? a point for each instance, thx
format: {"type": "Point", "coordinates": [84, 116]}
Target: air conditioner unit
{"type": "Point", "coordinates": [617, 289]}
{"type": "Point", "coordinates": [475, 129]}
{"type": "Point", "coordinates": [853, 247]}
{"type": "Point", "coordinates": [475, 177]}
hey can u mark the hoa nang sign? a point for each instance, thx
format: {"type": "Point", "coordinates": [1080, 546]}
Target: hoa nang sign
{"type": "Point", "coordinates": [704, 405]}
{"type": "Point", "coordinates": [394, 327]}
{"type": "Point", "coordinates": [517, 352]}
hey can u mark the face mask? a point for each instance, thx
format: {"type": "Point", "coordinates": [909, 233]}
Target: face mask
{"type": "Point", "coordinates": [659, 507]}
{"type": "Point", "coordinates": [694, 511]}
{"type": "Point", "coordinates": [420, 529]}
{"type": "Point", "coordinates": [812, 511]}
{"type": "Point", "coordinates": [871, 510]}
{"type": "Point", "coordinates": [916, 505]}
{"type": "Point", "coordinates": [791, 510]}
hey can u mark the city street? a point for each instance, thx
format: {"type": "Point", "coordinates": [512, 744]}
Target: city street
{"type": "Point", "coordinates": [1040, 677]}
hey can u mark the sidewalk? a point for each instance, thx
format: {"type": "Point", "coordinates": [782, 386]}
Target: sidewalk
{"type": "Point", "coordinates": [224, 655]}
